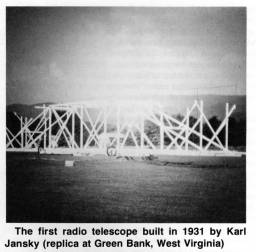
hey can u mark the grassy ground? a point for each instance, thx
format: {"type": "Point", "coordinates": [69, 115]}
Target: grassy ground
{"type": "Point", "coordinates": [98, 189]}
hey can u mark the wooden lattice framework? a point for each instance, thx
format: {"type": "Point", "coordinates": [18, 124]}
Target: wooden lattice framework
{"type": "Point", "coordinates": [90, 127]}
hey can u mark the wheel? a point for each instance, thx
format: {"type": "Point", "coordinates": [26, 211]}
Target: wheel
{"type": "Point", "coordinates": [111, 151]}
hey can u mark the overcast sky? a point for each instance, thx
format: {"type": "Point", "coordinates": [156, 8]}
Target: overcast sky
{"type": "Point", "coordinates": [70, 54]}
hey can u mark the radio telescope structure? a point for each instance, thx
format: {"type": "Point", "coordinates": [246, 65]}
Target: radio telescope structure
{"type": "Point", "coordinates": [127, 128]}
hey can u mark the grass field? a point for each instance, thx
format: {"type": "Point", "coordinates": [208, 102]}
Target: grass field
{"type": "Point", "coordinates": [100, 189]}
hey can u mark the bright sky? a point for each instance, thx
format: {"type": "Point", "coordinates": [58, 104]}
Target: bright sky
{"type": "Point", "coordinates": [69, 54]}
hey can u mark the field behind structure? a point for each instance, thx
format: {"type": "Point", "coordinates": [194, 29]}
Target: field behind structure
{"type": "Point", "coordinates": [100, 189]}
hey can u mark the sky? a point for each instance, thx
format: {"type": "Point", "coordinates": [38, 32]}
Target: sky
{"type": "Point", "coordinates": [71, 54]}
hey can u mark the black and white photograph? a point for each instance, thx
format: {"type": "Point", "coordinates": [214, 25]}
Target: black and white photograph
{"type": "Point", "coordinates": [125, 114]}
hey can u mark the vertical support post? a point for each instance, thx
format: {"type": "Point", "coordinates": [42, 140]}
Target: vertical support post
{"type": "Point", "coordinates": [161, 130]}
{"type": "Point", "coordinates": [226, 128]}
{"type": "Point", "coordinates": [50, 129]}
{"type": "Point", "coordinates": [26, 132]}
{"type": "Point", "coordinates": [105, 121]}
{"type": "Point", "coordinates": [81, 126]}
{"type": "Point", "coordinates": [118, 128]}
{"type": "Point", "coordinates": [104, 127]}
{"type": "Point", "coordinates": [187, 128]}
{"type": "Point", "coordinates": [73, 128]}
{"type": "Point", "coordinates": [142, 131]}
{"type": "Point", "coordinates": [22, 132]}
{"type": "Point", "coordinates": [201, 124]}
{"type": "Point", "coordinates": [45, 126]}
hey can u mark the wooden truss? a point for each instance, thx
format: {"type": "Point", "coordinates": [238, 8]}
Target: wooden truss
{"type": "Point", "coordinates": [131, 128]}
